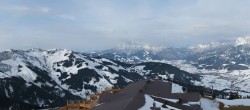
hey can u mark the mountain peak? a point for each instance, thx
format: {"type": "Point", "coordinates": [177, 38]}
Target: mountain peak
{"type": "Point", "coordinates": [212, 45]}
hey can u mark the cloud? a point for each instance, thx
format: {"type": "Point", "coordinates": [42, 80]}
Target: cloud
{"type": "Point", "coordinates": [103, 24]}
{"type": "Point", "coordinates": [68, 17]}
{"type": "Point", "coordinates": [44, 9]}
{"type": "Point", "coordinates": [18, 8]}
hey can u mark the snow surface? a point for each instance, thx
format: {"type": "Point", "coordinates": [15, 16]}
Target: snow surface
{"type": "Point", "coordinates": [6, 93]}
{"type": "Point", "coordinates": [235, 102]}
{"type": "Point", "coordinates": [150, 101]}
{"type": "Point", "coordinates": [242, 40]}
{"type": "Point", "coordinates": [170, 100]}
{"type": "Point", "coordinates": [163, 76]}
{"type": "Point", "coordinates": [176, 100]}
{"type": "Point", "coordinates": [207, 104]}
{"type": "Point", "coordinates": [48, 60]}
{"type": "Point", "coordinates": [220, 79]}
{"type": "Point", "coordinates": [176, 88]}
{"type": "Point", "coordinates": [11, 89]}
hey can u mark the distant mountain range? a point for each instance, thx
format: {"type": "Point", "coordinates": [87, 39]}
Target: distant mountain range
{"type": "Point", "coordinates": [223, 65]}
{"type": "Point", "coordinates": [39, 78]}
{"type": "Point", "coordinates": [230, 55]}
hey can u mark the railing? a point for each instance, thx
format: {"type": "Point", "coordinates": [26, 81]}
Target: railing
{"type": "Point", "coordinates": [86, 105]}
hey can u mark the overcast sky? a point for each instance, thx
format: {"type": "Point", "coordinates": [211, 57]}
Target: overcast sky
{"type": "Point", "coordinates": [102, 24]}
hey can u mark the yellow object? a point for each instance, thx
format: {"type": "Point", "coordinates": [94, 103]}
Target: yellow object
{"type": "Point", "coordinates": [86, 105]}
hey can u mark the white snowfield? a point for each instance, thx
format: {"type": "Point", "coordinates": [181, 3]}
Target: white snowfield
{"type": "Point", "coordinates": [236, 102]}
{"type": "Point", "coordinates": [218, 79]}
{"type": "Point", "coordinates": [176, 88]}
{"type": "Point", "coordinates": [150, 101]}
{"type": "Point", "coordinates": [48, 59]}
{"type": "Point", "coordinates": [207, 104]}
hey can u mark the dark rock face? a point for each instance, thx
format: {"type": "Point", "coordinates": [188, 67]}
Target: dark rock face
{"type": "Point", "coordinates": [83, 75]}
{"type": "Point", "coordinates": [18, 89]}
{"type": "Point", "coordinates": [166, 69]}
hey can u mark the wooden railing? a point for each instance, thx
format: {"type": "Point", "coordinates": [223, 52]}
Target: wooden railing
{"type": "Point", "coordinates": [86, 105]}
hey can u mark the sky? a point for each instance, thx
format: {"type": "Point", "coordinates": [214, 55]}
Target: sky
{"type": "Point", "coordinates": [103, 24]}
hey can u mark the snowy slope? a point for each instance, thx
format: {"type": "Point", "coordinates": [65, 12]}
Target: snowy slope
{"type": "Point", "coordinates": [235, 102]}
{"type": "Point", "coordinates": [150, 101]}
{"type": "Point", "coordinates": [47, 78]}
{"type": "Point", "coordinates": [137, 52]}
{"type": "Point", "coordinates": [227, 55]}
{"type": "Point", "coordinates": [72, 75]}
{"type": "Point", "coordinates": [223, 65]}
{"type": "Point", "coordinates": [222, 79]}
{"type": "Point", "coordinates": [207, 104]}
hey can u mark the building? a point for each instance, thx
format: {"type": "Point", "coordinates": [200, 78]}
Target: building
{"type": "Point", "coordinates": [139, 95]}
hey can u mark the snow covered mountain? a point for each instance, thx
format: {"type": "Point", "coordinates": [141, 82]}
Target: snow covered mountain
{"type": "Point", "coordinates": [230, 55]}
{"type": "Point", "coordinates": [135, 52]}
{"type": "Point", "coordinates": [47, 78]}
{"type": "Point", "coordinates": [224, 65]}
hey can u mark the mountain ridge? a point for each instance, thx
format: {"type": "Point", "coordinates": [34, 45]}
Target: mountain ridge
{"type": "Point", "coordinates": [197, 55]}
{"type": "Point", "coordinates": [47, 78]}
